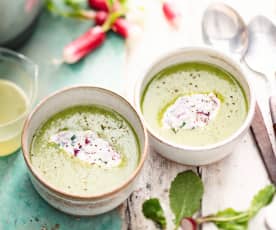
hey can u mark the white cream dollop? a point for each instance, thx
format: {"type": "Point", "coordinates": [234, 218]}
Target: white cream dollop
{"type": "Point", "coordinates": [190, 112]}
{"type": "Point", "coordinates": [88, 147]}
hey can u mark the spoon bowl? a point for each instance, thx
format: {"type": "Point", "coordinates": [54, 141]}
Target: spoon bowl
{"type": "Point", "coordinates": [261, 53]}
{"type": "Point", "coordinates": [224, 28]}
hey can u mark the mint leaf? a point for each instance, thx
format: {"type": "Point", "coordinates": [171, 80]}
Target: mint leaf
{"type": "Point", "coordinates": [153, 210]}
{"type": "Point", "coordinates": [261, 199]}
{"type": "Point", "coordinates": [185, 195]}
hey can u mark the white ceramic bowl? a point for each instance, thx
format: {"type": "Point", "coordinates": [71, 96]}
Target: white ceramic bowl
{"type": "Point", "coordinates": [82, 95]}
{"type": "Point", "coordinates": [190, 155]}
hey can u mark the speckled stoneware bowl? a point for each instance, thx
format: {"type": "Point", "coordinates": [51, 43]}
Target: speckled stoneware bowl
{"type": "Point", "coordinates": [82, 95]}
{"type": "Point", "coordinates": [190, 155]}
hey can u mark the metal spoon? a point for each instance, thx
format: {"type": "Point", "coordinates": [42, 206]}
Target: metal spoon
{"type": "Point", "coordinates": [261, 55]}
{"type": "Point", "coordinates": [224, 28]}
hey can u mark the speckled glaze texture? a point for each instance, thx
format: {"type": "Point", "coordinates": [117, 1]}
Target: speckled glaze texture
{"type": "Point", "coordinates": [187, 154]}
{"type": "Point", "coordinates": [82, 95]}
{"type": "Point", "coordinates": [85, 207]}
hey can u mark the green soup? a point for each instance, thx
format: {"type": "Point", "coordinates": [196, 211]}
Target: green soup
{"type": "Point", "coordinates": [194, 104]}
{"type": "Point", "coordinates": [64, 150]}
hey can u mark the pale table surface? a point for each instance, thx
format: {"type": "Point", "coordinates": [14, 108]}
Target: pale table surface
{"type": "Point", "coordinates": [230, 182]}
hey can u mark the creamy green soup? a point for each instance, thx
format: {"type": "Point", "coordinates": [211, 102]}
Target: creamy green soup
{"type": "Point", "coordinates": [194, 104]}
{"type": "Point", "coordinates": [85, 150]}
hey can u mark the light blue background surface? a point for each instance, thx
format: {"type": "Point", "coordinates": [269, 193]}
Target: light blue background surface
{"type": "Point", "coordinates": [21, 207]}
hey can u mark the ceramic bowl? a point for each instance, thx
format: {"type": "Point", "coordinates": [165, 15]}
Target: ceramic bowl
{"type": "Point", "coordinates": [82, 95]}
{"type": "Point", "coordinates": [191, 155]}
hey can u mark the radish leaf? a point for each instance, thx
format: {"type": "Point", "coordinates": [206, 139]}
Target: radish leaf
{"type": "Point", "coordinates": [230, 219]}
{"type": "Point", "coordinates": [153, 210]}
{"type": "Point", "coordinates": [185, 195]}
{"type": "Point", "coordinates": [261, 199]}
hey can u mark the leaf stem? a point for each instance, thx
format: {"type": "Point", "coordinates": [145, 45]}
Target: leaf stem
{"type": "Point", "coordinates": [72, 13]}
{"type": "Point", "coordinates": [111, 19]}
{"type": "Point", "coordinates": [214, 218]}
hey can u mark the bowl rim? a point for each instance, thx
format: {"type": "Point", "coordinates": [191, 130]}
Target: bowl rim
{"type": "Point", "coordinates": [31, 100]}
{"type": "Point", "coordinates": [41, 180]}
{"type": "Point", "coordinates": [206, 50]}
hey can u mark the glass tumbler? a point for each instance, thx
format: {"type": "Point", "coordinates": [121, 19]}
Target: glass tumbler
{"type": "Point", "coordinates": [18, 78]}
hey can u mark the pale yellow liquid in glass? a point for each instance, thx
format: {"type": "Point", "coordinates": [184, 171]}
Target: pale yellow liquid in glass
{"type": "Point", "coordinates": [13, 110]}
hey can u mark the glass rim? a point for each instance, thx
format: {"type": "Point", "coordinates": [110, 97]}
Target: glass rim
{"type": "Point", "coordinates": [32, 97]}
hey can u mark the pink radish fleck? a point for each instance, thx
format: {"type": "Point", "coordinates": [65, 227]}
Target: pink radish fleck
{"type": "Point", "coordinates": [76, 151]}
{"type": "Point", "coordinates": [86, 141]}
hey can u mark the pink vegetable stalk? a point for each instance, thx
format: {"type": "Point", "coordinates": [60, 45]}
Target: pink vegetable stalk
{"type": "Point", "coordinates": [171, 13]}
{"type": "Point", "coordinates": [83, 45]}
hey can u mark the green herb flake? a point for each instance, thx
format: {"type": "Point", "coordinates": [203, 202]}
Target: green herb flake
{"type": "Point", "coordinates": [185, 195]}
{"type": "Point", "coordinates": [73, 137]}
{"type": "Point", "coordinates": [183, 124]}
{"type": "Point", "coordinates": [153, 210]}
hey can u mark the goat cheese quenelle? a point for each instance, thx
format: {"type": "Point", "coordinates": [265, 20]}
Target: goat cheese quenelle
{"type": "Point", "coordinates": [85, 150]}
{"type": "Point", "coordinates": [195, 104]}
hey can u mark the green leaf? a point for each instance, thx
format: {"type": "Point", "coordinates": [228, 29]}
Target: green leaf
{"type": "Point", "coordinates": [185, 195]}
{"type": "Point", "coordinates": [261, 199]}
{"type": "Point", "coordinates": [232, 226]}
{"type": "Point", "coordinates": [230, 219]}
{"type": "Point", "coordinates": [153, 210]}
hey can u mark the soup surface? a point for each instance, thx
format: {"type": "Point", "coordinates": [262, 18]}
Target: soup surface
{"type": "Point", "coordinates": [13, 105]}
{"type": "Point", "coordinates": [195, 104]}
{"type": "Point", "coordinates": [85, 150]}
{"type": "Point", "coordinates": [13, 101]}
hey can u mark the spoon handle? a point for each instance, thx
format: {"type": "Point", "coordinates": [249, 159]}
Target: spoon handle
{"type": "Point", "coordinates": [272, 104]}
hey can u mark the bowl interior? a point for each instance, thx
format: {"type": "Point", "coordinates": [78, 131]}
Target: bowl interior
{"type": "Point", "coordinates": [205, 55]}
{"type": "Point", "coordinates": [81, 95]}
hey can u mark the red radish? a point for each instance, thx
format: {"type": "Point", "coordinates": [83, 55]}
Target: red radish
{"type": "Point", "coordinates": [188, 224]}
{"type": "Point", "coordinates": [89, 41]}
{"type": "Point", "coordinates": [100, 17]}
{"type": "Point", "coordinates": [122, 26]}
{"type": "Point", "coordinates": [103, 5]}
{"type": "Point", "coordinates": [99, 4]}
{"type": "Point", "coordinates": [171, 13]}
